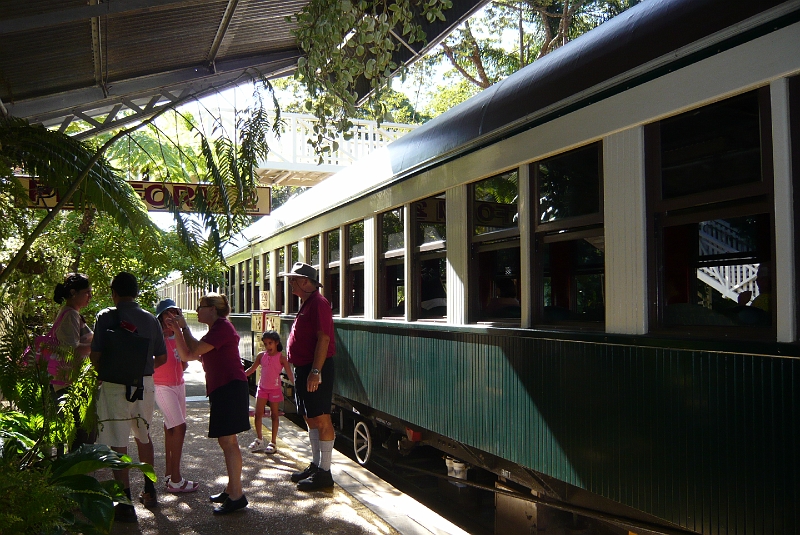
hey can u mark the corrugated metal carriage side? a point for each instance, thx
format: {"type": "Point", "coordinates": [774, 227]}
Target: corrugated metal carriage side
{"type": "Point", "coordinates": [629, 352]}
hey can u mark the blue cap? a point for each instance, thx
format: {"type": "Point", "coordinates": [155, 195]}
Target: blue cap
{"type": "Point", "coordinates": [165, 305]}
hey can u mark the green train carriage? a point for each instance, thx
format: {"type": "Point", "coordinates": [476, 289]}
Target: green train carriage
{"type": "Point", "coordinates": [582, 280]}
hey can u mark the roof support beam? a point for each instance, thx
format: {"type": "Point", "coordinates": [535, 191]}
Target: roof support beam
{"type": "Point", "coordinates": [222, 30]}
{"type": "Point", "coordinates": [43, 20]}
{"type": "Point", "coordinates": [196, 79]}
{"type": "Point", "coordinates": [97, 52]}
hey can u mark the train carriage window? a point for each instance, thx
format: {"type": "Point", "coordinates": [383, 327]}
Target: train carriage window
{"type": "Point", "coordinates": [292, 300]}
{"type": "Point", "coordinates": [430, 253]}
{"type": "Point", "coordinates": [494, 204]}
{"type": "Point", "coordinates": [265, 284]}
{"type": "Point", "coordinates": [333, 245]}
{"type": "Point", "coordinates": [331, 282]}
{"type": "Point", "coordinates": [723, 276]}
{"type": "Point", "coordinates": [355, 269]}
{"type": "Point", "coordinates": [431, 220]}
{"type": "Point", "coordinates": [248, 289]}
{"type": "Point", "coordinates": [711, 148]}
{"type": "Point", "coordinates": [312, 246]}
{"type": "Point", "coordinates": [568, 185]}
{"type": "Point", "coordinates": [710, 203]}
{"type": "Point", "coordinates": [495, 242]}
{"type": "Point", "coordinates": [241, 298]}
{"type": "Point", "coordinates": [392, 265]}
{"type": "Point", "coordinates": [230, 286]}
{"type": "Point", "coordinates": [256, 283]}
{"type": "Point", "coordinates": [573, 279]}
{"type": "Point", "coordinates": [569, 258]}
{"type": "Point", "coordinates": [279, 291]}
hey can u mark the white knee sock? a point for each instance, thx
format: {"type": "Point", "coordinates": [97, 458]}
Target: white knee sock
{"type": "Point", "coordinates": [313, 436]}
{"type": "Point", "coordinates": [326, 451]}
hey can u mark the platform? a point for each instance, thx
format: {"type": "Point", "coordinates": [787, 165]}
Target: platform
{"type": "Point", "coordinates": [360, 502]}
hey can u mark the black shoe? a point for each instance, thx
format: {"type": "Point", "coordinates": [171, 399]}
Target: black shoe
{"type": "Point", "coordinates": [300, 476]}
{"type": "Point", "coordinates": [149, 499]}
{"type": "Point", "coordinates": [229, 506]}
{"type": "Point", "coordinates": [218, 498]}
{"type": "Point", "coordinates": [125, 513]}
{"type": "Point", "coordinates": [321, 479]}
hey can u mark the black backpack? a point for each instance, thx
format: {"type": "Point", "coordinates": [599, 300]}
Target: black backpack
{"type": "Point", "coordinates": [123, 358]}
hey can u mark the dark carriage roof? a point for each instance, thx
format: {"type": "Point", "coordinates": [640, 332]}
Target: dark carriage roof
{"type": "Point", "coordinates": [627, 50]}
{"type": "Point", "coordinates": [64, 59]}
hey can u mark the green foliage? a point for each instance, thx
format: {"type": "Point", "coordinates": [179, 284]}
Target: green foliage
{"type": "Point", "coordinates": [43, 494]}
{"type": "Point", "coordinates": [28, 502]}
{"type": "Point", "coordinates": [512, 34]}
{"type": "Point", "coordinates": [282, 194]}
{"type": "Point", "coordinates": [450, 95]}
{"type": "Point", "coordinates": [347, 41]}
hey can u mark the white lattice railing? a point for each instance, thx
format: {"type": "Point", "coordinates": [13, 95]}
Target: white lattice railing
{"type": "Point", "coordinates": [717, 237]}
{"type": "Point", "coordinates": [293, 146]}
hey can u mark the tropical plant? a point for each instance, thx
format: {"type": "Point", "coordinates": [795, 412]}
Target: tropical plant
{"type": "Point", "coordinates": [108, 231]}
{"type": "Point", "coordinates": [346, 42]}
{"type": "Point", "coordinates": [40, 493]}
{"type": "Point", "coordinates": [64, 164]}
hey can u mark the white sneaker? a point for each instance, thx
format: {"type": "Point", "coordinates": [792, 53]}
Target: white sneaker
{"type": "Point", "coordinates": [256, 445]}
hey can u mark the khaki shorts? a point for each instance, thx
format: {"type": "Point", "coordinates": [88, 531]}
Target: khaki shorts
{"type": "Point", "coordinates": [117, 417]}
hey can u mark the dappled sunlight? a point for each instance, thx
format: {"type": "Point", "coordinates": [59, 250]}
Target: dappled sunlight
{"type": "Point", "coordinates": [275, 504]}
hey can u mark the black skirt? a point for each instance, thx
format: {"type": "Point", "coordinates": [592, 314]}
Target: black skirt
{"type": "Point", "coordinates": [230, 410]}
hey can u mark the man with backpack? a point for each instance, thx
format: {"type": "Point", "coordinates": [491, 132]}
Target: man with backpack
{"type": "Point", "coordinates": [121, 410]}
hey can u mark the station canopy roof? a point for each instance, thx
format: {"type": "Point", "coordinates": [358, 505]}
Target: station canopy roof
{"type": "Point", "coordinates": [117, 62]}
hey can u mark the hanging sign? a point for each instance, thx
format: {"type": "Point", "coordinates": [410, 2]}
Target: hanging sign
{"type": "Point", "coordinates": [153, 194]}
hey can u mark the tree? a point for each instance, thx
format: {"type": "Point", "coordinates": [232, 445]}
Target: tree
{"type": "Point", "coordinates": [345, 41]}
{"type": "Point", "coordinates": [81, 173]}
{"type": "Point", "coordinates": [482, 50]}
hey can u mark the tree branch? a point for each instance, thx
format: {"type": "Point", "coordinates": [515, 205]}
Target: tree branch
{"type": "Point", "coordinates": [451, 56]}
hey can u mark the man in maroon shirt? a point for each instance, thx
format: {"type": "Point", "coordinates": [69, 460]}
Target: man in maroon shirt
{"type": "Point", "coordinates": [310, 349]}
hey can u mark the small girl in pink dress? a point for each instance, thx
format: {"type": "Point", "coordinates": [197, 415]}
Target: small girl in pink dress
{"type": "Point", "coordinates": [269, 387]}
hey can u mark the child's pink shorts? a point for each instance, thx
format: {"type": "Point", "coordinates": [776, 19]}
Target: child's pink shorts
{"type": "Point", "coordinates": [270, 394]}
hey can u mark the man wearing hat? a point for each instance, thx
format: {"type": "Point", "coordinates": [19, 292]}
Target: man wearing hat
{"type": "Point", "coordinates": [310, 349]}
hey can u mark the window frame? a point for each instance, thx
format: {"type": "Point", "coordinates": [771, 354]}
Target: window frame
{"type": "Point", "coordinates": [740, 200]}
{"type": "Point", "coordinates": [597, 218]}
{"type": "Point", "coordinates": [387, 257]}
{"type": "Point", "coordinates": [562, 230]}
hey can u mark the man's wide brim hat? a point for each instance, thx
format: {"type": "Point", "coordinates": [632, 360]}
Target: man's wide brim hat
{"type": "Point", "coordinates": [165, 305]}
{"type": "Point", "coordinates": [300, 269]}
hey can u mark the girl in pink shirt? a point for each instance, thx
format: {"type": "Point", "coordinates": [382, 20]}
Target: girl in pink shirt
{"type": "Point", "coordinates": [269, 387]}
{"type": "Point", "coordinates": [171, 399]}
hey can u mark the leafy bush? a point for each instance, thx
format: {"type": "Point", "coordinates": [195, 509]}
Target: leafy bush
{"type": "Point", "coordinates": [44, 494]}
{"type": "Point", "coordinates": [28, 502]}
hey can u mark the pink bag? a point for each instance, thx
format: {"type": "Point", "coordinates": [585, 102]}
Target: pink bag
{"type": "Point", "coordinates": [46, 352]}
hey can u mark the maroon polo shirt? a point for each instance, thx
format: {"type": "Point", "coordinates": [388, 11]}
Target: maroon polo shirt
{"type": "Point", "coordinates": [314, 315]}
{"type": "Point", "coordinates": [222, 364]}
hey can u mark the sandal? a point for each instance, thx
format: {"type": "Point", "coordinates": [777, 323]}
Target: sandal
{"type": "Point", "coordinates": [184, 485]}
{"type": "Point", "coordinates": [271, 448]}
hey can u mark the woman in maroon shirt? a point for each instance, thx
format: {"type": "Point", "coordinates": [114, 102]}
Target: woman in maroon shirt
{"type": "Point", "coordinates": [226, 386]}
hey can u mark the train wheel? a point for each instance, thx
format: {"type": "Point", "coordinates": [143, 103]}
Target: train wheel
{"type": "Point", "coordinates": [362, 442]}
